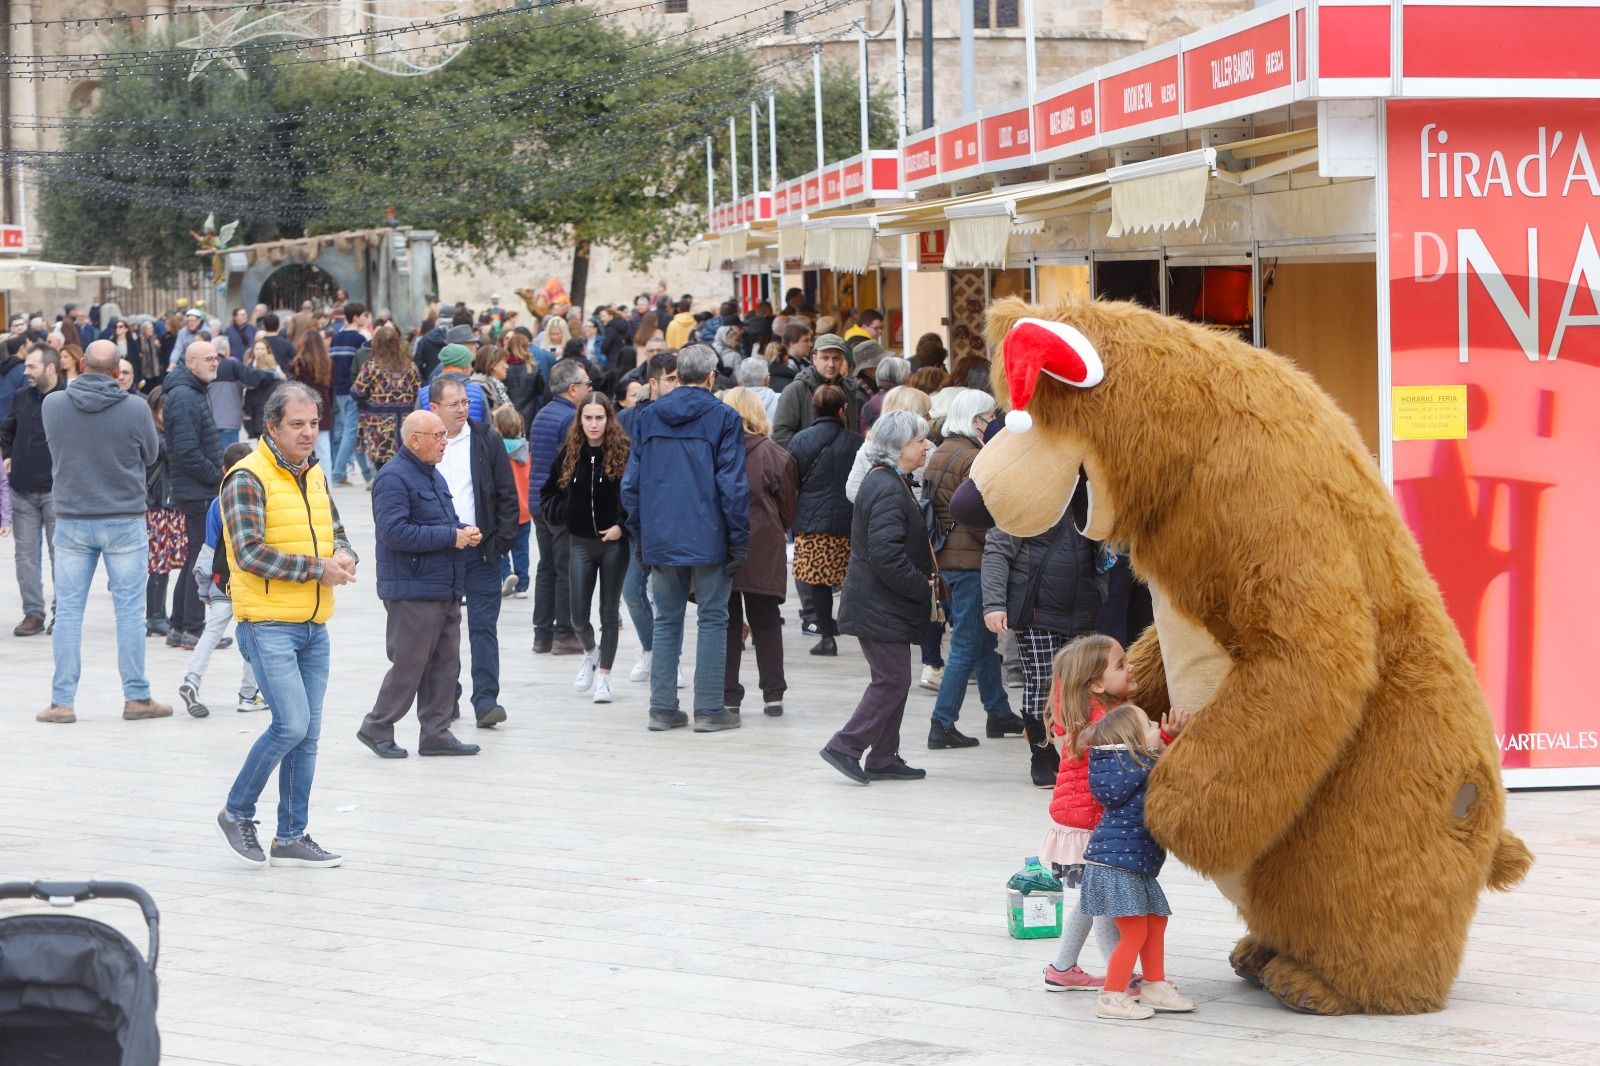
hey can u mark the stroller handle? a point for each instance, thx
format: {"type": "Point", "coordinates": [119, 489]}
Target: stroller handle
{"type": "Point", "coordinates": [65, 893]}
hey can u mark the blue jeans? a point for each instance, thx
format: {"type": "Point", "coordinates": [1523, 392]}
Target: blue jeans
{"type": "Point", "coordinates": [637, 598]}
{"type": "Point", "coordinates": [345, 418]}
{"type": "Point", "coordinates": [671, 586]}
{"type": "Point", "coordinates": [515, 561]}
{"type": "Point", "coordinates": [79, 545]}
{"type": "Point", "coordinates": [291, 664]}
{"type": "Point", "coordinates": [972, 650]}
{"type": "Point", "coordinates": [325, 453]}
{"type": "Point", "coordinates": [483, 630]}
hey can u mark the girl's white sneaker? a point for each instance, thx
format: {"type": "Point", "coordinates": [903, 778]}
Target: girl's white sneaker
{"type": "Point", "coordinates": [1162, 996]}
{"type": "Point", "coordinates": [1119, 1006]}
{"type": "Point", "coordinates": [602, 689]}
{"type": "Point", "coordinates": [641, 668]}
{"type": "Point", "coordinates": [586, 671]}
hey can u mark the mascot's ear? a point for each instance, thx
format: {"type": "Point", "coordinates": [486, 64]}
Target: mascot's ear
{"type": "Point", "coordinates": [1037, 346]}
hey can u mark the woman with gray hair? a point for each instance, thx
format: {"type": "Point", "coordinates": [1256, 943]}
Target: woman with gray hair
{"type": "Point", "coordinates": [888, 594]}
{"type": "Point", "coordinates": [973, 648]}
{"type": "Point", "coordinates": [892, 371]}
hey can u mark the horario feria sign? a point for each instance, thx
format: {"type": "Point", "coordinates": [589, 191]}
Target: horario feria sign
{"type": "Point", "coordinates": [1494, 294]}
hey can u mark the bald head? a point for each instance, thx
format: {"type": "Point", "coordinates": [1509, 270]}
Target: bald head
{"type": "Point", "coordinates": [201, 359]}
{"type": "Point", "coordinates": [424, 435]}
{"type": "Point", "coordinates": [101, 358]}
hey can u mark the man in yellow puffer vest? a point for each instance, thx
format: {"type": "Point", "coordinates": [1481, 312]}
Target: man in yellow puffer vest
{"type": "Point", "coordinates": [286, 553]}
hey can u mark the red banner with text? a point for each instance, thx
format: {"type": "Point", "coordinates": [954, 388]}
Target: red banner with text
{"type": "Point", "coordinates": [1494, 293]}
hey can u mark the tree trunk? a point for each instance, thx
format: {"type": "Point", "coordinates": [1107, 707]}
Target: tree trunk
{"type": "Point", "coordinates": [578, 290]}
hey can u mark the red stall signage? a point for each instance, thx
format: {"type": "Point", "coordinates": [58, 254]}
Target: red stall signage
{"type": "Point", "coordinates": [1143, 94]}
{"type": "Point", "coordinates": [1510, 41]}
{"type": "Point", "coordinates": [13, 237]}
{"type": "Point", "coordinates": [780, 200]}
{"type": "Point", "coordinates": [813, 191]}
{"type": "Point", "coordinates": [919, 159]}
{"type": "Point", "coordinates": [958, 150]}
{"type": "Point", "coordinates": [1353, 41]}
{"type": "Point", "coordinates": [1494, 297]}
{"type": "Point", "coordinates": [1065, 118]}
{"type": "Point", "coordinates": [853, 179]}
{"type": "Point", "coordinates": [830, 187]}
{"type": "Point", "coordinates": [1007, 136]}
{"type": "Point", "coordinates": [1240, 65]}
{"type": "Point", "coordinates": [885, 173]}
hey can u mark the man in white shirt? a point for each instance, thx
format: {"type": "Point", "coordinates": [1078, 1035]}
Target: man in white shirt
{"type": "Point", "coordinates": [476, 468]}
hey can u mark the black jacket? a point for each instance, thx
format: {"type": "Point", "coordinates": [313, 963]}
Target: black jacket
{"type": "Point", "coordinates": [494, 493]}
{"type": "Point", "coordinates": [157, 485]}
{"type": "Point", "coordinates": [886, 593]}
{"type": "Point", "coordinates": [194, 449]}
{"type": "Point", "coordinates": [824, 454]}
{"type": "Point", "coordinates": [590, 505]}
{"type": "Point", "coordinates": [1044, 582]}
{"type": "Point", "coordinates": [429, 345]}
{"type": "Point", "coordinates": [22, 440]}
{"type": "Point", "coordinates": [784, 371]}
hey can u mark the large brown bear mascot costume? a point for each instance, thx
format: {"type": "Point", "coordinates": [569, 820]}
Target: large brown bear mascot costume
{"type": "Point", "coordinates": [1340, 782]}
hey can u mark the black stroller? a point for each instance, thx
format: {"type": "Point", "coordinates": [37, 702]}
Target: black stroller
{"type": "Point", "coordinates": [74, 991]}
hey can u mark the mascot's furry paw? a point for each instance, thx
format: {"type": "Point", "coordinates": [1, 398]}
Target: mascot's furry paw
{"type": "Point", "coordinates": [1299, 989]}
{"type": "Point", "coordinates": [1250, 957]}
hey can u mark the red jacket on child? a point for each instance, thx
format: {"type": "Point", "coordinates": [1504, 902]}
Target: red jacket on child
{"type": "Point", "coordinates": [1071, 804]}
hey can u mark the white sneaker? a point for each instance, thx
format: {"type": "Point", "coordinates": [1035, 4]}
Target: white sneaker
{"type": "Point", "coordinates": [586, 670]}
{"type": "Point", "coordinates": [253, 702]}
{"type": "Point", "coordinates": [1119, 1006]}
{"type": "Point", "coordinates": [602, 689]}
{"type": "Point", "coordinates": [681, 682]}
{"type": "Point", "coordinates": [641, 668]}
{"type": "Point", "coordinates": [931, 676]}
{"type": "Point", "coordinates": [508, 586]}
{"type": "Point", "coordinates": [1163, 997]}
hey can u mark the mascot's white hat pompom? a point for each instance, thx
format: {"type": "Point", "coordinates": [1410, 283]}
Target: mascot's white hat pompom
{"type": "Point", "coordinates": [1036, 346]}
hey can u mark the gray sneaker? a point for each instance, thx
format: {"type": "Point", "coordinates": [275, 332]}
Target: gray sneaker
{"type": "Point", "coordinates": [190, 695]}
{"type": "Point", "coordinates": [303, 852]}
{"type": "Point", "coordinates": [716, 721]}
{"type": "Point", "coordinates": [242, 840]}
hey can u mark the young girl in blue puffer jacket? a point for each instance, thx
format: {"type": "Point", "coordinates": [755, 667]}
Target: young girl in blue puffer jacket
{"type": "Point", "coordinates": [1123, 859]}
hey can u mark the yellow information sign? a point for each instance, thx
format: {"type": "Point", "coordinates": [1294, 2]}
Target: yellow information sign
{"type": "Point", "coordinates": [1430, 412]}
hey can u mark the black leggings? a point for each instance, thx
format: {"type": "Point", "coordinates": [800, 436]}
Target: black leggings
{"type": "Point", "coordinates": [606, 561]}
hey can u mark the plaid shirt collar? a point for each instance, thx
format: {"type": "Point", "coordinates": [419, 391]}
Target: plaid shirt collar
{"type": "Point", "coordinates": [297, 471]}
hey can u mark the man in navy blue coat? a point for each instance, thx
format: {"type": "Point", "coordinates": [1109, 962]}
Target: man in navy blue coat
{"type": "Point", "coordinates": [421, 579]}
{"type": "Point", "coordinates": [687, 499]}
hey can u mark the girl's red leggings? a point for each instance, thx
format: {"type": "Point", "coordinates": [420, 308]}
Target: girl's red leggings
{"type": "Point", "coordinates": [1141, 938]}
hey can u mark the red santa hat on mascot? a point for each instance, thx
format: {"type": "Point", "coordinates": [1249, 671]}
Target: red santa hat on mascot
{"type": "Point", "coordinates": [1037, 346]}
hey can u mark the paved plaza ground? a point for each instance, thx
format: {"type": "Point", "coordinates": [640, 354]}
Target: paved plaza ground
{"type": "Point", "coordinates": [585, 891]}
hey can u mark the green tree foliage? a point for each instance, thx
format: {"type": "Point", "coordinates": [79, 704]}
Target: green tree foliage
{"type": "Point", "coordinates": [132, 191]}
{"type": "Point", "coordinates": [553, 127]}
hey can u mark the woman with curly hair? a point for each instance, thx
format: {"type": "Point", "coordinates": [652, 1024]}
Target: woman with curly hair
{"type": "Point", "coordinates": [583, 494]}
{"type": "Point", "coordinates": [314, 367]}
{"type": "Point", "coordinates": [386, 390]}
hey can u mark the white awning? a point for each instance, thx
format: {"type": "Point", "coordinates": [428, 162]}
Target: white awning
{"type": "Point", "coordinates": [851, 247]}
{"type": "Point", "coordinates": [35, 274]}
{"type": "Point", "coordinates": [735, 243]}
{"type": "Point", "coordinates": [1159, 194]}
{"type": "Point", "coordinates": [792, 242]}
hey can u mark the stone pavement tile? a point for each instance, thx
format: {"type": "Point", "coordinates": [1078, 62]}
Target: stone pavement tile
{"type": "Point", "coordinates": [586, 891]}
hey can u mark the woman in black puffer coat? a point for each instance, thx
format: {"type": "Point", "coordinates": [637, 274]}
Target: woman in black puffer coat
{"type": "Point", "coordinates": [887, 596]}
{"type": "Point", "coordinates": [823, 452]}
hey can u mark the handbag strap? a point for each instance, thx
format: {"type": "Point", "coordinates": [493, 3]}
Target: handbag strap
{"type": "Point", "coordinates": [933, 556]}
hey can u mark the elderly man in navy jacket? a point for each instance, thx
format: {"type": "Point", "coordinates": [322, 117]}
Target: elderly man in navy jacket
{"type": "Point", "coordinates": [687, 499]}
{"type": "Point", "coordinates": [421, 579]}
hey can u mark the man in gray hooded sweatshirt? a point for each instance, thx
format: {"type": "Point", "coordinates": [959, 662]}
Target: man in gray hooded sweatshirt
{"type": "Point", "coordinates": [102, 440]}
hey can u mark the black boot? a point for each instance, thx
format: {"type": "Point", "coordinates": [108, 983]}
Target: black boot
{"type": "Point", "coordinates": [825, 646]}
{"type": "Point", "coordinates": [155, 606]}
{"type": "Point", "coordinates": [946, 736]}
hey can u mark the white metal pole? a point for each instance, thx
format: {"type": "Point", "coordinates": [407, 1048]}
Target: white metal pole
{"type": "Point", "coordinates": [755, 149]}
{"type": "Point", "coordinates": [899, 69]}
{"type": "Point", "coordinates": [711, 186]}
{"type": "Point", "coordinates": [816, 91]}
{"type": "Point", "coordinates": [772, 141]}
{"type": "Point", "coordinates": [1028, 35]}
{"type": "Point", "coordinates": [969, 102]}
{"type": "Point", "coordinates": [733, 154]}
{"type": "Point", "coordinates": [861, 50]}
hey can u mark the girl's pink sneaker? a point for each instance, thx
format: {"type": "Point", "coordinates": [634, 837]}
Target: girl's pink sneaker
{"type": "Point", "coordinates": [1072, 979]}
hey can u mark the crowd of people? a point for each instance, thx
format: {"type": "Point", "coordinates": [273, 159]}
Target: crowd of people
{"type": "Point", "coordinates": [647, 456]}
